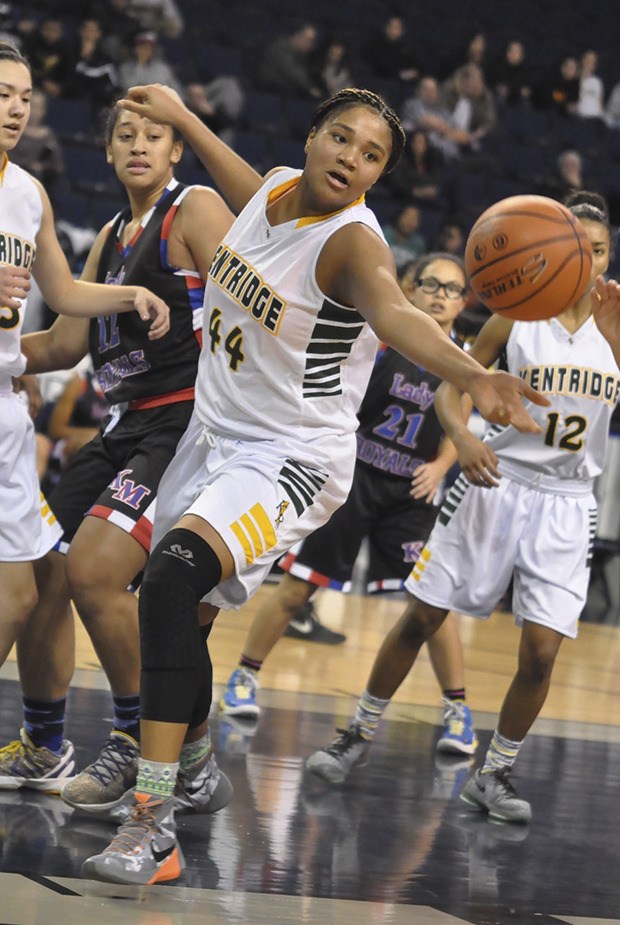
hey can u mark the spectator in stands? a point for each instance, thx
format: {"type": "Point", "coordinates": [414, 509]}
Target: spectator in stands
{"type": "Point", "coordinates": [75, 418]}
{"type": "Point", "coordinates": [426, 111]}
{"type": "Point", "coordinates": [332, 69]}
{"type": "Point", "coordinates": [160, 16]}
{"type": "Point", "coordinates": [509, 78]}
{"type": "Point", "coordinates": [93, 74]}
{"type": "Point", "coordinates": [39, 150]}
{"type": "Point", "coordinates": [389, 54]}
{"type": "Point", "coordinates": [49, 55]}
{"type": "Point", "coordinates": [451, 239]}
{"type": "Point", "coordinates": [466, 96]}
{"type": "Point", "coordinates": [119, 29]}
{"type": "Point", "coordinates": [568, 177]}
{"type": "Point", "coordinates": [285, 66]}
{"type": "Point", "coordinates": [612, 110]}
{"type": "Point", "coordinates": [560, 92]}
{"type": "Point", "coordinates": [475, 51]}
{"type": "Point", "coordinates": [419, 173]}
{"type": "Point", "coordinates": [147, 66]}
{"type": "Point", "coordinates": [404, 238]}
{"type": "Point", "coordinates": [219, 103]}
{"type": "Point", "coordinates": [591, 91]}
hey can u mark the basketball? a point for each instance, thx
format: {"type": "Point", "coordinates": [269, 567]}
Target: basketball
{"type": "Point", "coordinates": [528, 258]}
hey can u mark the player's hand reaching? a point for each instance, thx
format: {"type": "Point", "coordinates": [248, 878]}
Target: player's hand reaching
{"type": "Point", "coordinates": [155, 102]}
{"type": "Point", "coordinates": [152, 308]}
{"type": "Point", "coordinates": [605, 299]}
{"type": "Point", "coordinates": [477, 460]}
{"type": "Point", "coordinates": [426, 480]}
{"type": "Point", "coordinates": [14, 286]}
{"type": "Point", "coordinates": [499, 397]}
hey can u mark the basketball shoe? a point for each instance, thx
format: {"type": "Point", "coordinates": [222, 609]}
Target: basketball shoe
{"type": "Point", "coordinates": [24, 764]}
{"type": "Point", "coordinates": [334, 762]}
{"type": "Point", "coordinates": [458, 736]}
{"type": "Point", "coordinates": [203, 790]}
{"type": "Point", "coordinates": [306, 625]}
{"type": "Point", "coordinates": [494, 792]}
{"type": "Point", "coordinates": [145, 849]}
{"type": "Point", "coordinates": [101, 786]}
{"type": "Point", "coordinates": [239, 697]}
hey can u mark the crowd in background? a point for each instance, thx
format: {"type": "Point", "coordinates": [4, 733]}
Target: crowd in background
{"type": "Point", "coordinates": [485, 117]}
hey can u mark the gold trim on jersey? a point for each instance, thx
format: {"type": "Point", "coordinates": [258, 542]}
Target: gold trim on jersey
{"type": "Point", "coordinates": [278, 191]}
{"type": "Point", "coordinates": [255, 533]}
{"type": "Point", "coordinates": [3, 168]}
{"type": "Point", "coordinates": [573, 380]}
{"type": "Point", "coordinates": [247, 287]}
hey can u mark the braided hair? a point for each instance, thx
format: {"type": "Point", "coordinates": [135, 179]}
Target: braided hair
{"type": "Point", "coordinates": [10, 52]}
{"type": "Point", "coordinates": [352, 96]}
{"type": "Point", "coordinates": [591, 207]}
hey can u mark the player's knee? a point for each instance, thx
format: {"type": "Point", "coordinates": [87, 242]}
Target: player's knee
{"type": "Point", "coordinates": [536, 663]}
{"type": "Point", "coordinates": [19, 605]}
{"type": "Point", "coordinates": [181, 570]}
{"type": "Point", "coordinates": [88, 581]}
{"type": "Point", "coordinates": [419, 622]}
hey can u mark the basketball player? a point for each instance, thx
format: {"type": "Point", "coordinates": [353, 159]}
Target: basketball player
{"type": "Point", "coordinates": [292, 294]}
{"type": "Point", "coordinates": [166, 240]}
{"type": "Point", "coordinates": [525, 505]}
{"type": "Point", "coordinates": [402, 459]}
{"type": "Point", "coordinates": [27, 527]}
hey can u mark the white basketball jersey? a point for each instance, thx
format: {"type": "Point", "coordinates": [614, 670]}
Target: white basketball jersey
{"type": "Point", "coordinates": [578, 374]}
{"type": "Point", "coordinates": [21, 209]}
{"type": "Point", "coordinates": [278, 357]}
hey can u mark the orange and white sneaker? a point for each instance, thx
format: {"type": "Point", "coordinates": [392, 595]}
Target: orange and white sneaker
{"type": "Point", "coordinates": [145, 849]}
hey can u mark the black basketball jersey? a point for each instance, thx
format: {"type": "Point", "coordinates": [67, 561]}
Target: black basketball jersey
{"type": "Point", "coordinates": [398, 428]}
{"type": "Point", "coordinates": [128, 365]}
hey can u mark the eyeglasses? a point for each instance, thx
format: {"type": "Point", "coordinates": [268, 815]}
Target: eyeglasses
{"type": "Point", "coordinates": [431, 285]}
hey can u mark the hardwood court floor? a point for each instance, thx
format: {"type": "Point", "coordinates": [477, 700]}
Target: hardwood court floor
{"type": "Point", "coordinates": [393, 845]}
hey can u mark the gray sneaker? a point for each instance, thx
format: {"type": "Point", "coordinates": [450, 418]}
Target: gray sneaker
{"type": "Point", "coordinates": [334, 762]}
{"type": "Point", "coordinates": [493, 792]}
{"type": "Point", "coordinates": [203, 791]}
{"type": "Point", "coordinates": [101, 786]}
{"type": "Point", "coordinates": [24, 764]}
{"type": "Point", "coordinates": [145, 849]}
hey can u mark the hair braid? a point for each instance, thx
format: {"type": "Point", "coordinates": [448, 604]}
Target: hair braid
{"type": "Point", "coordinates": [354, 96]}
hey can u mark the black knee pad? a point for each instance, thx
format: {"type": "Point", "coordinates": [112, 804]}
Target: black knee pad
{"type": "Point", "coordinates": [185, 557]}
{"type": "Point", "coordinates": [182, 569]}
{"type": "Point", "coordinates": [204, 695]}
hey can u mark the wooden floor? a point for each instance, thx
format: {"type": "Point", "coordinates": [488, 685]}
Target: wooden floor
{"type": "Point", "coordinates": [392, 846]}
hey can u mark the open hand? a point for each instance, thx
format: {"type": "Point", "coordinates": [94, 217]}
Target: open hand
{"type": "Point", "coordinates": [156, 102]}
{"type": "Point", "coordinates": [477, 461]}
{"type": "Point", "coordinates": [499, 397]}
{"type": "Point", "coordinates": [605, 299]}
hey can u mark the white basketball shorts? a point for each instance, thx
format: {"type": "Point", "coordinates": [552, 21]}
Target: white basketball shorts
{"type": "Point", "coordinates": [483, 536]}
{"type": "Point", "coordinates": [258, 495]}
{"type": "Point", "coordinates": [28, 529]}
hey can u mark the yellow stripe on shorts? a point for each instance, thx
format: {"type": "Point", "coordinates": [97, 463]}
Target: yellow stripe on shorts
{"type": "Point", "coordinates": [255, 533]}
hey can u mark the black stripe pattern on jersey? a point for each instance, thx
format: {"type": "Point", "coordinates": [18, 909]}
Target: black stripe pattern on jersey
{"type": "Point", "coordinates": [453, 499]}
{"type": "Point", "coordinates": [336, 330]}
{"type": "Point", "coordinates": [592, 518]}
{"type": "Point", "coordinates": [494, 430]}
{"type": "Point", "coordinates": [301, 484]}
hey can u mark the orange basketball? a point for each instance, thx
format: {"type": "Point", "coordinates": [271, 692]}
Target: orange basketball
{"type": "Point", "coordinates": [527, 258]}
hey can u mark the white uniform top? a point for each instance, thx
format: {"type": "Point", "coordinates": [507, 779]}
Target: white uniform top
{"type": "Point", "coordinates": [280, 359]}
{"type": "Point", "coordinates": [21, 209]}
{"type": "Point", "coordinates": [578, 373]}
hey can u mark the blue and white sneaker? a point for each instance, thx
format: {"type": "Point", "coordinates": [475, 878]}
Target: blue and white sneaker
{"type": "Point", "coordinates": [458, 736]}
{"type": "Point", "coordinates": [239, 697]}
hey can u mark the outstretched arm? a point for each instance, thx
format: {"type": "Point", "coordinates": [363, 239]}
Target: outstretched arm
{"type": "Point", "coordinates": [235, 179]}
{"type": "Point", "coordinates": [68, 296]}
{"type": "Point", "coordinates": [356, 268]}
